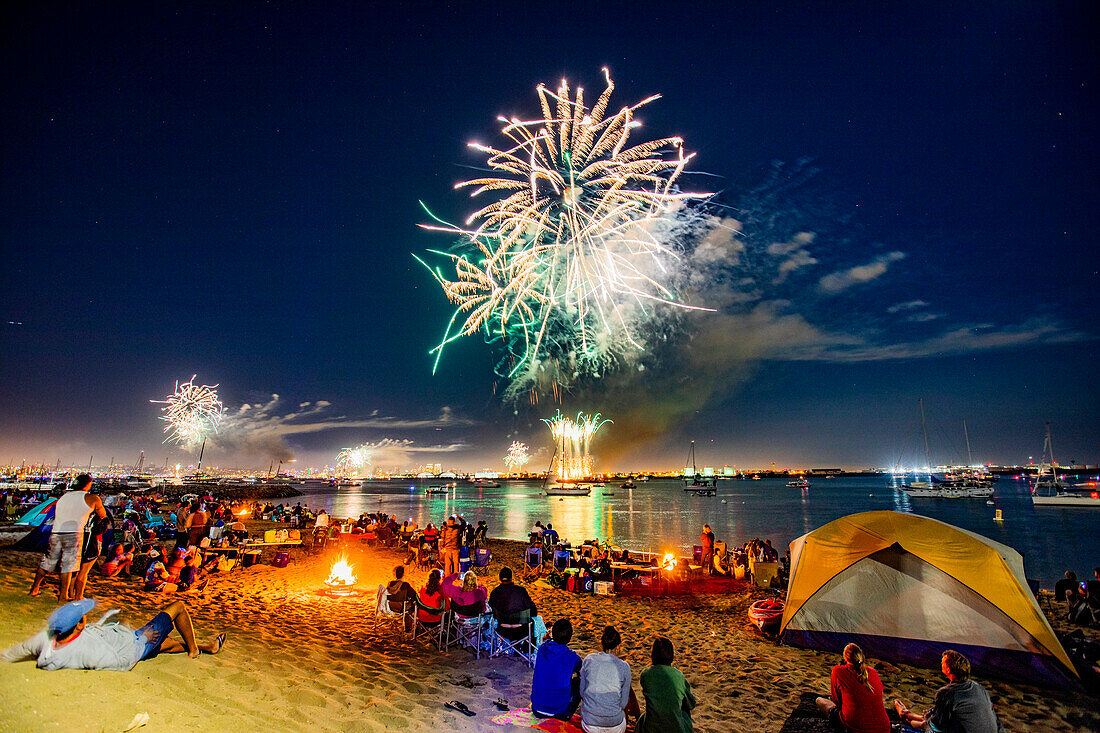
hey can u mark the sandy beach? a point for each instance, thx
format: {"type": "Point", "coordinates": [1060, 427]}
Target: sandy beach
{"type": "Point", "coordinates": [298, 660]}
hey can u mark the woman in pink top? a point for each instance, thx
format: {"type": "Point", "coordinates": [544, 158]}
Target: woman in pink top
{"type": "Point", "coordinates": [855, 701]}
{"type": "Point", "coordinates": [467, 599]}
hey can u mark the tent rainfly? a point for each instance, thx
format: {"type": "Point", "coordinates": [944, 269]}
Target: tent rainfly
{"type": "Point", "coordinates": [906, 588]}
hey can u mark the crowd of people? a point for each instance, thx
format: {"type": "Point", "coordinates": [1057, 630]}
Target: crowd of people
{"type": "Point", "coordinates": [598, 687]}
{"type": "Point", "coordinates": [1082, 598]}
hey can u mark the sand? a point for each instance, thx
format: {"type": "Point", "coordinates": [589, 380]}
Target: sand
{"type": "Point", "coordinates": [297, 660]}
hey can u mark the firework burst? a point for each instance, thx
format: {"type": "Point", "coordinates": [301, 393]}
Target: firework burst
{"type": "Point", "coordinates": [352, 460]}
{"type": "Point", "coordinates": [517, 455]}
{"type": "Point", "coordinates": [191, 412]}
{"type": "Point", "coordinates": [573, 438]}
{"type": "Point", "coordinates": [566, 266]}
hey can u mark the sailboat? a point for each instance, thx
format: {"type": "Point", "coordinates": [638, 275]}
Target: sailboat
{"type": "Point", "coordinates": [696, 484]}
{"type": "Point", "coordinates": [560, 486]}
{"type": "Point", "coordinates": [950, 488]}
{"type": "Point", "coordinates": [1049, 490]}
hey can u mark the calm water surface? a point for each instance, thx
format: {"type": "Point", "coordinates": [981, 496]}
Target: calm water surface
{"type": "Point", "coordinates": [659, 516]}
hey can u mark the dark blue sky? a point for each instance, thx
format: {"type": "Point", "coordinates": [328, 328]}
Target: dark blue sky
{"type": "Point", "coordinates": [231, 190]}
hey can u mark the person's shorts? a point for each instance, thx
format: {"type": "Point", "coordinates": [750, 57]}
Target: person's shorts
{"type": "Point", "coordinates": [150, 636]}
{"type": "Point", "coordinates": [90, 549]}
{"type": "Point", "coordinates": [63, 553]}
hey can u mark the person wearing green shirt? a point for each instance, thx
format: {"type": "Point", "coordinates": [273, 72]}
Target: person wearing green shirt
{"type": "Point", "coordinates": [668, 698]}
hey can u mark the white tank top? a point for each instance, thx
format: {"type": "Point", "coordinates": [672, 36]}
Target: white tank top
{"type": "Point", "coordinates": [71, 512]}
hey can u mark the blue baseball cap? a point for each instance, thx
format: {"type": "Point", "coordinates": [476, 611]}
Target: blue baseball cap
{"type": "Point", "coordinates": [65, 619]}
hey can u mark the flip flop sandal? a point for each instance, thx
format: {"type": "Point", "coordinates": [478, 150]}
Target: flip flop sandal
{"type": "Point", "coordinates": [459, 708]}
{"type": "Point", "coordinates": [501, 704]}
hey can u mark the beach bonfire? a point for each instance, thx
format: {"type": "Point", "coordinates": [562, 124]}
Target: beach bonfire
{"type": "Point", "coordinates": [668, 562]}
{"type": "Point", "coordinates": [341, 579]}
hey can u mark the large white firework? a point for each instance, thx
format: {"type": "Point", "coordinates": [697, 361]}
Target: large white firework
{"type": "Point", "coordinates": [191, 412]}
{"type": "Point", "coordinates": [565, 266]}
{"type": "Point", "coordinates": [573, 438]}
{"type": "Point", "coordinates": [350, 461]}
{"type": "Point", "coordinates": [517, 455]}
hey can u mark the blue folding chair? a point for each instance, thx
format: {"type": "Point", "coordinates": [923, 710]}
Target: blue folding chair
{"type": "Point", "coordinates": [532, 563]}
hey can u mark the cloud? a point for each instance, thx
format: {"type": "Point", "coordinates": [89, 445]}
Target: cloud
{"type": "Point", "coordinates": [722, 244]}
{"type": "Point", "coordinates": [909, 305]}
{"type": "Point", "coordinates": [956, 341]}
{"type": "Point", "coordinates": [922, 317]}
{"type": "Point", "coordinates": [795, 255]}
{"type": "Point", "coordinates": [399, 451]}
{"type": "Point", "coordinates": [837, 281]}
{"type": "Point", "coordinates": [263, 428]}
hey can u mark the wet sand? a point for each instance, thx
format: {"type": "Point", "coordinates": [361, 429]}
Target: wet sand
{"type": "Point", "coordinates": [297, 660]}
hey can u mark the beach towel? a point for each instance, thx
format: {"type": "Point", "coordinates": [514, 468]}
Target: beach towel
{"type": "Point", "coordinates": [524, 718]}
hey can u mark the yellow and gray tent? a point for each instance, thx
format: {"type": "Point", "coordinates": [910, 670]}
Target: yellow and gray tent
{"type": "Point", "coordinates": [906, 588]}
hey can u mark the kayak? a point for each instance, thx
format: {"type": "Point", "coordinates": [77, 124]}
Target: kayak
{"type": "Point", "coordinates": [766, 613]}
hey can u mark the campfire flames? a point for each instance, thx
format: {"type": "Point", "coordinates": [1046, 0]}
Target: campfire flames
{"type": "Point", "coordinates": [341, 575]}
{"type": "Point", "coordinates": [669, 561]}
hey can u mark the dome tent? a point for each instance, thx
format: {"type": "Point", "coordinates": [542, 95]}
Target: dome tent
{"type": "Point", "coordinates": [906, 588]}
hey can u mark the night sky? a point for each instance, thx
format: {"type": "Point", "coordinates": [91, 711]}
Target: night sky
{"type": "Point", "coordinates": [231, 190]}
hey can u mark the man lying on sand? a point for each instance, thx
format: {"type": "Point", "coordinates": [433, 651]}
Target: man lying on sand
{"type": "Point", "coordinates": [68, 643]}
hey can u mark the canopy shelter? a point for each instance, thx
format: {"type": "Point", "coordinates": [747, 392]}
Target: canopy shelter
{"type": "Point", "coordinates": [906, 588]}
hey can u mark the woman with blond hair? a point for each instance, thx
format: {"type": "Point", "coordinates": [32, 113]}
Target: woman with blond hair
{"type": "Point", "coordinates": [855, 703]}
{"type": "Point", "coordinates": [467, 599]}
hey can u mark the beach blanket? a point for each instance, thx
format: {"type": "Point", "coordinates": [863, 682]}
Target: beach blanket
{"type": "Point", "coordinates": [524, 718]}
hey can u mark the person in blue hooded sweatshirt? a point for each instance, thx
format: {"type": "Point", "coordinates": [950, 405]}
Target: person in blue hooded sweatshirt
{"type": "Point", "coordinates": [555, 691]}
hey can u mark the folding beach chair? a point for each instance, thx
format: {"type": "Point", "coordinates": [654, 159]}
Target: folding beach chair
{"type": "Point", "coordinates": [482, 557]}
{"type": "Point", "coordinates": [433, 631]}
{"type": "Point", "coordinates": [464, 628]}
{"type": "Point", "coordinates": [383, 614]}
{"type": "Point", "coordinates": [532, 563]}
{"type": "Point", "coordinates": [561, 559]}
{"type": "Point", "coordinates": [517, 624]}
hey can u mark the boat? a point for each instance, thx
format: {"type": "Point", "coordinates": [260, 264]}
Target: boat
{"type": "Point", "coordinates": [1049, 490]}
{"type": "Point", "coordinates": [949, 487]}
{"type": "Point", "coordinates": [628, 484]}
{"type": "Point", "coordinates": [802, 483]}
{"type": "Point", "coordinates": [564, 487]}
{"type": "Point", "coordinates": [439, 490]}
{"type": "Point", "coordinates": [696, 484]}
{"type": "Point", "coordinates": [766, 613]}
{"type": "Point", "coordinates": [568, 488]}
{"type": "Point", "coordinates": [486, 483]}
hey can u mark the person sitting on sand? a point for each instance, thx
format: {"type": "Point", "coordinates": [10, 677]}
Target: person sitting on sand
{"type": "Point", "coordinates": [64, 553]}
{"type": "Point", "coordinates": [668, 698]}
{"type": "Point", "coordinates": [157, 577]}
{"type": "Point", "coordinates": [555, 687]}
{"type": "Point", "coordinates": [119, 562]}
{"type": "Point", "coordinates": [431, 596]}
{"type": "Point", "coordinates": [468, 599]}
{"type": "Point", "coordinates": [1092, 590]}
{"type": "Point", "coordinates": [855, 700]}
{"type": "Point", "coordinates": [402, 596]}
{"type": "Point", "coordinates": [480, 535]}
{"type": "Point", "coordinates": [606, 697]}
{"type": "Point", "coordinates": [69, 643]}
{"type": "Point", "coordinates": [961, 706]}
{"type": "Point", "coordinates": [1067, 589]}
{"type": "Point", "coordinates": [507, 600]}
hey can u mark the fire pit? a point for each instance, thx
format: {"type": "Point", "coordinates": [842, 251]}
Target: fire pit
{"type": "Point", "coordinates": [340, 582]}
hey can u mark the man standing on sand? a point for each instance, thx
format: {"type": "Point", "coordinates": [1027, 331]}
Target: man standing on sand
{"type": "Point", "coordinates": [451, 544]}
{"type": "Point", "coordinates": [70, 514]}
{"type": "Point", "coordinates": [69, 643]}
{"type": "Point", "coordinates": [707, 539]}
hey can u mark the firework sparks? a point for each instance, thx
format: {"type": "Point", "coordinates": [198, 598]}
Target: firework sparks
{"type": "Point", "coordinates": [573, 439]}
{"type": "Point", "coordinates": [191, 412]}
{"type": "Point", "coordinates": [517, 455]}
{"type": "Point", "coordinates": [350, 461]}
{"type": "Point", "coordinates": [566, 266]}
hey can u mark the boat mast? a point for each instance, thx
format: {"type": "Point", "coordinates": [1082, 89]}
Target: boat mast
{"type": "Point", "coordinates": [969, 458]}
{"type": "Point", "coordinates": [924, 430]}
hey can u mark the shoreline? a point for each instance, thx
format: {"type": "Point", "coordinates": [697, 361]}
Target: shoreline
{"type": "Point", "coordinates": [296, 660]}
